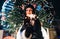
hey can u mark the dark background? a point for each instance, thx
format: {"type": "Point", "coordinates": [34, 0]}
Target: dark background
{"type": "Point", "coordinates": [56, 4]}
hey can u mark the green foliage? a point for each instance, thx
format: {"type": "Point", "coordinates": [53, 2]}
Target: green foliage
{"type": "Point", "coordinates": [15, 18]}
{"type": "Point", "coordinates": [43, 17]}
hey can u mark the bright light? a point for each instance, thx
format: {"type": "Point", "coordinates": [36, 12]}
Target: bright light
{"type": "Point", "coordinates": [31, 16]}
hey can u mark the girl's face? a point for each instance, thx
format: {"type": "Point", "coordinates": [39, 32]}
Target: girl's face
{"type": "Point", "coordinates": [29, 11]}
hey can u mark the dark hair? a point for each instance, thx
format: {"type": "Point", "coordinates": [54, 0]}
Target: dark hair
{"type": "Point", "coordinates": [29, 6]}
{"type": "Point", "coordinates": [37, 30]}
{"type": "Point", "coordinates": [32, 29]}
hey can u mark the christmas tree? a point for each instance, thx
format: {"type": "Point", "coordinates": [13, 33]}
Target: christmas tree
{"type": "Point", "coordinates": [44, 10]}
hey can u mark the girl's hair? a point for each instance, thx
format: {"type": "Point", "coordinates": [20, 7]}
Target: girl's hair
{"type": "Point", "coordinates": [29, 6]}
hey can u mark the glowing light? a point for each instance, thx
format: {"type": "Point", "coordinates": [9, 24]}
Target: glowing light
{"type": "Point", "coordinates": [31, 16]}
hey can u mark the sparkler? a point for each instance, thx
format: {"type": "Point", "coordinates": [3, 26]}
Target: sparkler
{"type": "Point", "coordinates": [31, 16]}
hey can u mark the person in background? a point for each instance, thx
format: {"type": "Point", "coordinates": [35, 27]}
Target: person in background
{"type": "Point", "coordinates": [7, 35]}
